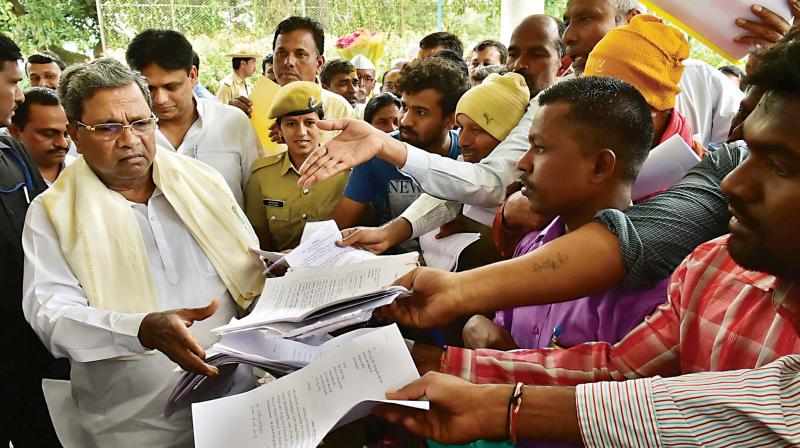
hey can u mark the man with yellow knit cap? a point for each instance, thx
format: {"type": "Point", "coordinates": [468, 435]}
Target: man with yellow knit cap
{"type": "Point", "coordinates": [486, 114]}
{"type": "Point", "coordinates": [649, 55]}
{"type": "Point", "coordinates": [274, 204]}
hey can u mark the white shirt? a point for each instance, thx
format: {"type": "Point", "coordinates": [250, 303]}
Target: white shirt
{"type": "Point", "coordinates": [222, 137]}
{"type": "Point", "coordinates": [708, 100]}
{"type": "Point", "coordinates": [120, 401]}
{"type": "Point", "coordinates": [68, 159]}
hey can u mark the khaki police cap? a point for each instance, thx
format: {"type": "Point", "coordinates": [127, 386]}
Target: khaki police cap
{"type": "Point", "coordinates": [296, 98]}
{"type": "Point", "coordinates": [244, 52]}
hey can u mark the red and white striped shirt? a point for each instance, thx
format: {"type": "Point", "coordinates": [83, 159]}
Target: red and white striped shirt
{"type": "Point", "coordinates": [753, 407]}
{"type": "Point", "coordinates": [719, 317]}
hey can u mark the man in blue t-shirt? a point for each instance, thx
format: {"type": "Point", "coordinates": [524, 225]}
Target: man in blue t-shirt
{"type": "Point", "coordinates": [431, 88]}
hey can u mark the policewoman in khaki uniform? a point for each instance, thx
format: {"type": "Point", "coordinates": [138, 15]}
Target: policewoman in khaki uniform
{"type": "Point", "coordinates": [276, 206]}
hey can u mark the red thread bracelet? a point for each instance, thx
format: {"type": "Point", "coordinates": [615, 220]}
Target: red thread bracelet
{"type": "Point", "coordinates": [514, 403]}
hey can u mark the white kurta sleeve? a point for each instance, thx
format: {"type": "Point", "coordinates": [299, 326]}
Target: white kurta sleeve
{"type": "Point", "coordinates": [56, 307]}
{"type": "Point", "coordinates": [428, 213]}
{"type": "Point", "coordinates": [480, 184]}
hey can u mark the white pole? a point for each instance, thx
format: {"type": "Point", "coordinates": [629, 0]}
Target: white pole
{"type": "Point", "coordinates": [512, 12]}
{"type": "Point", "coordinates": [101, 26]}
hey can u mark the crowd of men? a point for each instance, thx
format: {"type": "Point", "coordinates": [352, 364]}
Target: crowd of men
{"type": "Point", "coordinates": [591, 311]}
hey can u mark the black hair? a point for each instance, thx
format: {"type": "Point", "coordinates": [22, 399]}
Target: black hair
{"type": "Point", "coordinates": [9, 51]}
{"type": "Point", "coordinates": [378, 102]}
{"type": "Point", "coordinates": [732, 70]}
{"type": "Point", "coordinates": [451, 55]}
{"type": "Point", "coordinates": [447, 41]}
{"type": "Point", "coordinates": [333, 68]}
{"type": "Point", "coordinates": [484, 44]}
{"type": "Point", "coordinates": [237, 62]}
{"type": "Point", "coordinates": [267, 60]}
{"type": "Point", "coordinates": [777, 69]}
{"type": "Point", "coordinates": [559, 43]}
{"type": "Point", "coordinates": [35, 95]}
{"type": "Point", "coordinates": [45, 57]}
{"type": "Point", "coordinates": [168, 49]}
{"type": "Point", "coordinates": [606, 112]}
{"type": "Point", "coordinates": [196, 60]}
{"type": "Point", "coordinates": [383, 77]}
{"type": "Point", "coordinates": [441, 74]}
{"type": "Point", "coordinates": [484, 72]}
{"type": "Point", "coordinates": [302, 23]}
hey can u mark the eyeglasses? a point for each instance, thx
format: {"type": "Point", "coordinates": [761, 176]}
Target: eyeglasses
{"type": "Point", "coordinates": [113, 131]}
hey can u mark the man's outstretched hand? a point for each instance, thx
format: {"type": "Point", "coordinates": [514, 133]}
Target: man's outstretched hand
{"type": "Point", "coordinates": [460, 412]}
{"type": "Point", "coordinates": [435, 300]}
{"type": "Point", "coordinates": [357, 143]}
{"type": "Point", "coordinates": [168, 332]}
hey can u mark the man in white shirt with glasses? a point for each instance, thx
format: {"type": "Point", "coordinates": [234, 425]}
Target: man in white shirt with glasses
{"type": "Point", "coordinates": [132, 245]}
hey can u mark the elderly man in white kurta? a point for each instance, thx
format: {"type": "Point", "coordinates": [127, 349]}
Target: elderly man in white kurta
{"type": "Point", "coordinates": [131, 246]}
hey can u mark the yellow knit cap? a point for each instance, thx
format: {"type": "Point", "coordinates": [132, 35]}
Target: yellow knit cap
{"type": "Point", "coordinates": [647, 54]}
{"type": "Point", "coordinates": [497, 104]}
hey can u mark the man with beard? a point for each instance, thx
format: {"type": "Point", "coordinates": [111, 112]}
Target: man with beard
{"type": "Point", "coordinates": [41, 125]}
{"type": "Point", "coordinates": [209, 131]}
{"type": "Point", "coordinates": [728, 335]}
{"type": "Point", "coordinates": [535, 53]}
{"type": "Point", "coordinates": [431, 89]}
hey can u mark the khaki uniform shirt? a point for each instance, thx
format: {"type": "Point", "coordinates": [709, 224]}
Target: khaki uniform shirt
{"type": "Point", "coordinates": [274, 202]}
{"type": "Point", "coordinates": [232, 87]}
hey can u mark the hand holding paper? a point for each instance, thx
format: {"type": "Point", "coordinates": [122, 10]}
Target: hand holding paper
{"type": "Point", "coordinates": [298, 410]}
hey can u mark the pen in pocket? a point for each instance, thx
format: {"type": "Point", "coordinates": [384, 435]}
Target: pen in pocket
{"type": "Point", "coordinates": [554, 338]}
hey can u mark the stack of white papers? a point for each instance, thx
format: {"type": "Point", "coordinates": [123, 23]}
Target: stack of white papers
{"type": "Point", "coordinates": [256, 348]}
{"type": "Point", "coordinates": [299, 409]}
{"type": "Point", "coordinates": [443, 253]}
{"type": "Point", "coordinates": [312, 300]}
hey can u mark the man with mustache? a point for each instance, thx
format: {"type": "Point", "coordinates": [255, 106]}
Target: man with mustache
{"type": "Point", "coordinates": [339, 76]}
{"type": "Point", "coordinates": [534, 53]}
{"type": "Point", "coordinates": [715, 366]}
{"type": "Point", "coordinates": [41, 125]}
{"type": "Point", "coordinates": [298, 48]}
{"type": "Point", "coordinates": [209, 131]}
{"type": "Point", "coordinates": [134, 244]}
{"type": "Point", "coordinates": [24, 421]}
{"type": "Point", "coordinates": [431, 89]}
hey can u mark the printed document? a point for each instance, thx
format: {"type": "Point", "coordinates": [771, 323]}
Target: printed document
{"type": "Point", "coordinates": [298, 410]}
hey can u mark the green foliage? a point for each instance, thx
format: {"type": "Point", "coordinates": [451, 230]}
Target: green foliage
{"type": "Point", "coordinates": [38, 24]}
{"type": "Point", "coordinates": [216, 26]}
{"type": "Point", "coordinates": [555, 8]}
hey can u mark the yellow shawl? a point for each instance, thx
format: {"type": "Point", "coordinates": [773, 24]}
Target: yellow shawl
{"type": "Point", "coordinates": [102, 242]}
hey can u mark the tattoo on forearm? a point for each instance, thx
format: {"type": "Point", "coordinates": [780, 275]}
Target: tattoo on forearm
{"type": "Point", "coordinates": [551, 264]}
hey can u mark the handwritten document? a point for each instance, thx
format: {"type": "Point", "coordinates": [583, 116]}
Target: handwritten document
{"type": "Point", "coordinates": [298, 410]}
{"type": "Point", "coordinates": [443, 253]}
